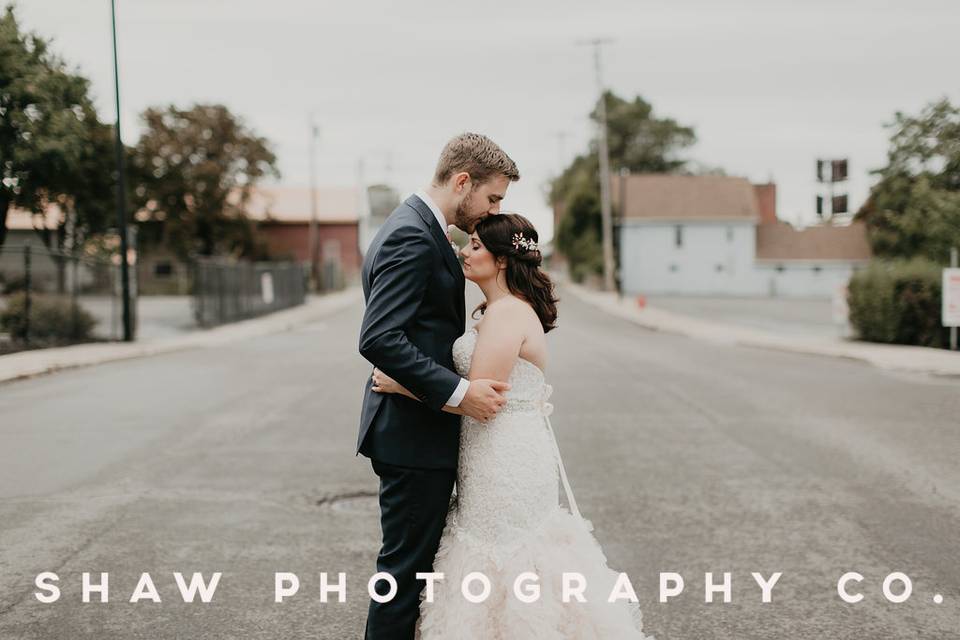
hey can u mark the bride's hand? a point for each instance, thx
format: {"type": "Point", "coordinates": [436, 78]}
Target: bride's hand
{"type": "Point", "coordinates": [382, 383]}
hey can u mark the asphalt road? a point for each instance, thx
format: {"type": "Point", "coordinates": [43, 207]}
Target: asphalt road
{"type": "Point", "coordinates": [802, 317]}
{"type": "Point", "coordinates": [688, 458]}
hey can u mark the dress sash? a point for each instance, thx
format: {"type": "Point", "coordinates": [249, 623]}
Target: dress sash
{"type": "Point", "coordinates": [547, 410]}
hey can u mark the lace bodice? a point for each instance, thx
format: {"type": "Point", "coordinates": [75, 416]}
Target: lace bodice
{"type": "Point", "coordinates": [507, 472]}
{"type": "Point", "coordinates": [528, 391]}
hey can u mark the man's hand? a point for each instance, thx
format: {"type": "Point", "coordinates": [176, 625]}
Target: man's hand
{"type": "Point", "coordinates": [484, 398]}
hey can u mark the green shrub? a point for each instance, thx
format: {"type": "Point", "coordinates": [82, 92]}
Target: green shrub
{"type": "Point", "coordinates": [52, 319]}
{"type": "Point", "coordinates": [898, 302]}
{"type": "Point", "coordinates": [12, 285]}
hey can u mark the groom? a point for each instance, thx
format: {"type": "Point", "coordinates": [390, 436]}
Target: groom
{"type": "Point", "coordinates": [413, 286]}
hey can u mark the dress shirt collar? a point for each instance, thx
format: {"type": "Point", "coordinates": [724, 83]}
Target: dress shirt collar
{"type": "Point", "coordinates": [427, 200]}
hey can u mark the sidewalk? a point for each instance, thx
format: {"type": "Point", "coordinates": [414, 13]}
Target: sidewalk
{"type": "Point", "coordinates": [937, 362]}
{"type": "Point", "coordinates": [24, 364]}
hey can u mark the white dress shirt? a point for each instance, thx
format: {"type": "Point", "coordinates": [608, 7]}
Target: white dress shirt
{"type": "Point", "coordinates": [457, 397]}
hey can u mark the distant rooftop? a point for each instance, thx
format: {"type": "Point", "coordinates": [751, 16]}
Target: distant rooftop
{"type": "Point", "coordinates": [273, 203]}
{"type": "Point", "coordinates": [25, 220]}
{"type": "Point", "coordinates": [292, 204]}
{"type": "Point", "coordinates": [657, 196]}
{"type": "Point", "coordinates": [823, 242]}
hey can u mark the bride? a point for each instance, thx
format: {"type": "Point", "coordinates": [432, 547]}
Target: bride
{"type": "Point", "coordinates": [506, 521]}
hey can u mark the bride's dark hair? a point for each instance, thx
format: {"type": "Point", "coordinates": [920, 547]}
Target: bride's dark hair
{"type": "Point", "coordinates": [509, 236]}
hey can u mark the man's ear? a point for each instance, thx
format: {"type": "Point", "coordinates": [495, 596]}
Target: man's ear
{"type": "Point", "coordinates": [460, 180]}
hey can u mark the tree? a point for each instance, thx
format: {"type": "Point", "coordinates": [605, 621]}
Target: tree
{"type": "Point", "coordinates": [193, 172]}
{"type": "Point", "coordinates": [639, 142]}
{"type": "Point", "coordinates": [51, 141]}
{"type": "Point", "coordinates": [914, 209]}
{"type": "Point", "coordinates": [579, 235]}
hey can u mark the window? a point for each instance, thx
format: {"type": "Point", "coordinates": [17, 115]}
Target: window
{"type": "Point", "coordinates": [673, 268]}
{"type": "Point", "coordinates": [780, 268]}
{"type": "Point", "coordinates": [719, 268]}
{"type": "Point", "coordinates": [729, 234]}
{"type": "Point", "coordinates": [678, 236]}
{"type": "Point", "coordinates": [817, 269]}
{"type": "Point", "coordinates": [163, 269]}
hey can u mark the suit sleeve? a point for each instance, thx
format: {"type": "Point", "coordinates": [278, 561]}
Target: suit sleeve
{"type": "Point", "coordinates": [398, 281]}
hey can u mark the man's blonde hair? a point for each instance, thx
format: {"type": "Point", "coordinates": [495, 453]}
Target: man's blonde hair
{"type": "Point", "coordinates": [477, 155]}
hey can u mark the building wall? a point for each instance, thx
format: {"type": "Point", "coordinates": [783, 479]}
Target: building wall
{"type": "Point", "coordinates": [802, 279]}
{"type": "Point", "coordinates": [338, 242]}
{"type": "Point", "coordinates": [717, 258]}
{"type": "Point", "coordinates": [713, 258]}
{"type": "Point", "coordinates": [160, 272]}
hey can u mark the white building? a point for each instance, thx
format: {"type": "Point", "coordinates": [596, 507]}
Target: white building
{"type": "Point", "coordinates": [719, 235]}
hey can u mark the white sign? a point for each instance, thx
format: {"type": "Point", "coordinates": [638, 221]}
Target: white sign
{"type": "Point", "coordinates": [951, 298]}
{"type": "Point", "coordinates": [266, 287]}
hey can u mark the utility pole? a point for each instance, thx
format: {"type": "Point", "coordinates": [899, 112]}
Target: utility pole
{"type": "Point", "coordinates": [363, 236]}
{"type": "Point", "coordinates": [313, 233]}
{"type": "Point", "coordinates": [954, 263]}
{"type": "Point", "coordinates": [121, 189]}
{"type": "Point", "coordinates": [606, 217]}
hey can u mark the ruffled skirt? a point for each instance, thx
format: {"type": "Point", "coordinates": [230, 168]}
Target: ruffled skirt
{"type": "Point", "coordinates": [560, 543]}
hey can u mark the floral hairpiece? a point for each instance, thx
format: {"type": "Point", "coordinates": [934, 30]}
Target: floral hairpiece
{"type": "Point", "coordinates": [520, 241]}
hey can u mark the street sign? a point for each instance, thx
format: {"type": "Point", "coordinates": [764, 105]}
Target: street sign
{"type": "Point", "coordinates": [951, 298]}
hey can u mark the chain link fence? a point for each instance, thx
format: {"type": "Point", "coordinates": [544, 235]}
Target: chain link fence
{"type": "Point", "coordinates": [52, 298]}
{"type": "Point", "coordinates": [228, 290]}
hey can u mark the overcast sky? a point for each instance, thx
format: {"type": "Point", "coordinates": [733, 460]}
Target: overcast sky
{"type": "Point", "coordinates": [769, 85]}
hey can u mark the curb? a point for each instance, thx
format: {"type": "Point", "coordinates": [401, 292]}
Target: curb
{"type": "Point", "coordinates": [936, 362]}
{"type": "Point", "coordinates": [27, 364]}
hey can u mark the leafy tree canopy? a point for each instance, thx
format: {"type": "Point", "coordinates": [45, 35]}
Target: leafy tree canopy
{"type": "Point", "coordinates": [914, 209]}
{"type": "Point", "coordinates": [194, 170]}
{"type": "Point", "coordinates": [53, 148]}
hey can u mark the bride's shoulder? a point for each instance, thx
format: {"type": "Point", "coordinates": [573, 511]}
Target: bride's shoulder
{"type": "Point", "coordinates": [508, 305]}
{"type": "Point", "coordinates": [508, 310]}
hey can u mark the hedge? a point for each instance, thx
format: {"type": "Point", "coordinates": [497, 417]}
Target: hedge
{"type": "Point", "coordinates": [53, 320]}
{"type": "Point", "coordinates": [898, 302]}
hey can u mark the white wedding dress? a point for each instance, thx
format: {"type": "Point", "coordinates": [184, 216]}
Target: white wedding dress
{"type": "Point", "coordinates": [506, 519]}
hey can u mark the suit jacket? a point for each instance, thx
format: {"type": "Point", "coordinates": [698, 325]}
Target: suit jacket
{"type": "Point", "coordinates": [413, 287]}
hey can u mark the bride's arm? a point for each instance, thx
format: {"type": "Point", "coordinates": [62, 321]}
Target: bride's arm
{"type": "Point", "coordinates": [498, 344]}
{"type": "Point", "coordinates": [496, 352]}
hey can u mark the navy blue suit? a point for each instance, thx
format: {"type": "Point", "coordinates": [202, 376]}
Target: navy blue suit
{"type": "Point", "coordinates": [413, 287]}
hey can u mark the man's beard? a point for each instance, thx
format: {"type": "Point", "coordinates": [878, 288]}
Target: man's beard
{"type": "Point", "coordinates": [461, 217]}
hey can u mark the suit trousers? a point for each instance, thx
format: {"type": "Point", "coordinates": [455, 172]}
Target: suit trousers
{"type": "Point", "coordinates": [413, 511]}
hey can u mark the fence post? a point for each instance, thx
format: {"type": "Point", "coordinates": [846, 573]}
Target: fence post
{"type": "Point", "coordinates": [27, 285]}
{"type": "Point", "coordinates": [221, 293]}
{"type": "Point", "coordinates": [74, 287]}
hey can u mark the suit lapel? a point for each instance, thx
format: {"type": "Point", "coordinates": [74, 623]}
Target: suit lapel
{"type": "Point", "coordinates": [439, 235]}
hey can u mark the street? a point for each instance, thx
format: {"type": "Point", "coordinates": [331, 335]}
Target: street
{"type": "Point", "coordinates": [803, 317]}
{"type": "Point", "coordinates": [688, 457]}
